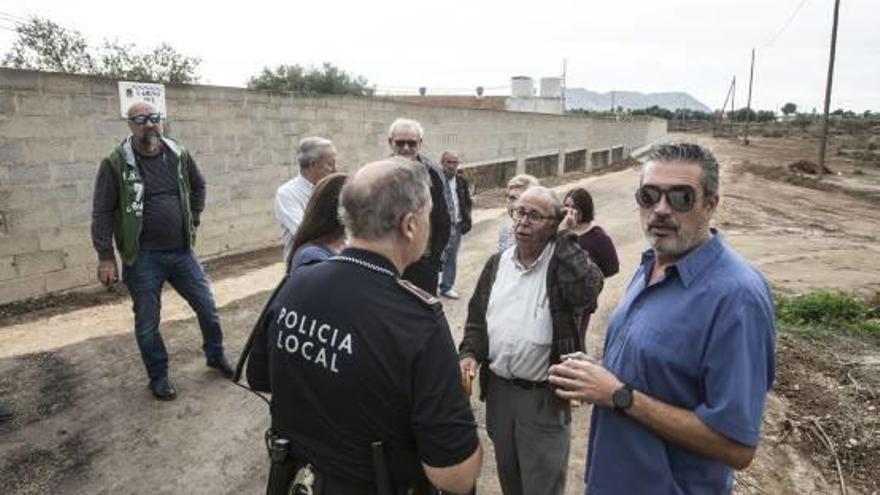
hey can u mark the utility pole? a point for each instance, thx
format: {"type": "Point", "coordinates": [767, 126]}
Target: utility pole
{"type": "Point", "coordinates": [732, 107]}
{"type": "Point", "coordinates": [824, 142]}
{"type": "Point", "coordinates": [749, 104]}
{"type": "Point", "coordinates": [720, 122]}
{"type": "Point", "coordinates": [564, 63]}
{"type": "Point", "coordinates": [682, 114]}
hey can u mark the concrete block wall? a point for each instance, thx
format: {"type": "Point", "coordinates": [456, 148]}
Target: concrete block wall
{"type": "Point", "coordinates": [575, 161]}
{"type": "Point", "coordinates": [55, 129]}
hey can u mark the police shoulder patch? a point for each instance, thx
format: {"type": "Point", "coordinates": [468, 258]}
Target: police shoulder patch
{"type": "Point", "coordinates": [423, 297]}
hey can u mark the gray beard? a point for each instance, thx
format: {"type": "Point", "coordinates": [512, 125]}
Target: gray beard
{"type": "Point", "coordinates": [149, 142]}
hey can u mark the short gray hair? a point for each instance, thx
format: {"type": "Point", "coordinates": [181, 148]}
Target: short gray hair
{"type": "Point", "coordinates": [311, 150]}
{"type": "Point", "coordinates": [550, 194]}
{"type": "Point", "coordinates": [407, 123]}
{"type": "Point", "coordinates": [523, 181]}
{"type": "Point", "coordinates": [371, 208]}
{"type": "Point", "coordinates": [446, 154]}
{"type": "Point", "coordinates": [690, 153]}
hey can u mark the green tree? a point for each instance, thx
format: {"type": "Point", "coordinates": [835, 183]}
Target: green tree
{"type": "Point", "coordinates": [789, 108]}
{"type": "Point", "coordinates": [655, 111]}
{"type": "Point", "coordinates": [161, 64]}
{"type": "Point", "coordinates": [744, 114]}
{"type": "Point", "coordinates": [44, 45]}
{"type": "Point", "coordinates": [327, 80]}
{"type": "Point", "coordinates": [766, 116]}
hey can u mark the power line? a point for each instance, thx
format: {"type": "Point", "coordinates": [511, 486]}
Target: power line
{"type": "Point", "coordinates": [12, 18]}
{"type": "Point", "coordinates": [787, 23]}
{"type": "Point", "coordinates": [13, 15]}
{"type": "Point", "coordinates": [433, 88]}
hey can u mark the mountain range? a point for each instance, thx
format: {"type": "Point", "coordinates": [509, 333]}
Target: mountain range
{"type": "Point", "coordinates": [584, 99]}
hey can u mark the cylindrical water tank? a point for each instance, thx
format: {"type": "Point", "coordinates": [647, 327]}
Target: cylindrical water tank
{"type": "Point", "coordinates": [551, 87]}
{"type": "Point", "coordinates": [522, 86]}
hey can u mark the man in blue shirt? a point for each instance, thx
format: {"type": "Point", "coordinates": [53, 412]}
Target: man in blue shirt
{"type": "Point", "coordinates": [689, 354]}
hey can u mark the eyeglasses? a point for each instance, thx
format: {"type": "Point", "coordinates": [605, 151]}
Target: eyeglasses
{"type": "Point", "coordinates": [402, 143]}
{"type": "Point", "coordinates": [139, 120]}
{"type": "Point", "coordinates": [533, 216]}
{"type": "Point", "coordinates": [680, 198]}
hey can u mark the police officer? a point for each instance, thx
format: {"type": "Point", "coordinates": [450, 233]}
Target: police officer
{"type": "Point", "coordinates": [358, 356]}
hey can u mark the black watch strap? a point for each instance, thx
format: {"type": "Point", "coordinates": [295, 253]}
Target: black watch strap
{"type": "Point", "coordinates": [622, 398]}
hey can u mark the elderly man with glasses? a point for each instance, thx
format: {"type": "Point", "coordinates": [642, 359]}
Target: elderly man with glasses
{"type": "Point", "coordinates": [149, 196]}
{"type": "Point", "coordinates": [522, 318]}
{"type": "Point", "coordinates": [405, 141]}
{"type": "Point", "coordinates": [689, 353]}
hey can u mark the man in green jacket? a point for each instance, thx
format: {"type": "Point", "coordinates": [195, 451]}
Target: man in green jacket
{"type": "Point", "coordinates": [149, 195]}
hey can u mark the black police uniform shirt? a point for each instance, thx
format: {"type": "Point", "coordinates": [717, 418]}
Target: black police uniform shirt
{"type": "Point", "coordinates": [355, 358]}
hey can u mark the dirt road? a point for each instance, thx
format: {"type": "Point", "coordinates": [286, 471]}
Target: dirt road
{"type": "Point", "coordinates": [87, 424]}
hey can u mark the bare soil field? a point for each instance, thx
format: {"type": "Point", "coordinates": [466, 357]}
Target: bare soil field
{"type": "Point", "coordinates": [87, 424]}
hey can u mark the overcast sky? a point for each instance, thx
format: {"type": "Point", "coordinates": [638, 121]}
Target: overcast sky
{"type": "Point", "coordinates": [695, 46]}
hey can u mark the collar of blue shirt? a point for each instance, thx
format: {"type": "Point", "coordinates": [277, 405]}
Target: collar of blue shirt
{"type": "Point", "coordinates": [694, 263]}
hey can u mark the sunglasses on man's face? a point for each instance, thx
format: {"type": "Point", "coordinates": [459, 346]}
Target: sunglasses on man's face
{"type": "Point", "coordinates": [680, 198]}
{"type": "Point", "coordinates": [139, 120]}
{"type": "Point", "coordinates": [403, 143]}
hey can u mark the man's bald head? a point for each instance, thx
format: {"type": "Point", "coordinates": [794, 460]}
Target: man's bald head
{"type": "Point", "coordinates": [379, 194]}
{"type": "Point", "coordinates": [146, 128]}
{"type": "Point", "coordinates": [141, 108]}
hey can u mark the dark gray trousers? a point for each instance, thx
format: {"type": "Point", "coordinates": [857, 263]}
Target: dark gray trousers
{"type": "Point", "coordinates": [530, 430]}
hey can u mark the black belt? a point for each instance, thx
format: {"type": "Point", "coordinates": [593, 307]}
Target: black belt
{"type": "Point", "coordinates": [335, 486]}
{"type": "Point", "coordinates": [523, 383]}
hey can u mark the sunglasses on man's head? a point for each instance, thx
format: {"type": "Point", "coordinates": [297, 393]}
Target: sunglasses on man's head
{"type": "Point", "coordinates": [401, 143]}
{"type": "Point", "coordinates": [680, 198]}
{"type": "Point", "coordinates": [155, 118]}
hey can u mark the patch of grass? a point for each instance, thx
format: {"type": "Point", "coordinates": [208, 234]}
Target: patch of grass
{"type": "Point", "coordinates": [830, 310]}
{"type": "Point", "coordinates": [871, 326]}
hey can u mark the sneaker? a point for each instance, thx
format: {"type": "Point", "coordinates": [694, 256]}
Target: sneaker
{"type": "Point", "coordinates": [451, 294]}
{"type": "Point", "coordinates": [6, 414]}
{"type": "Point", "coordinates": [163, 389]}
{"type": "Point", "coordinates": [222, 365]}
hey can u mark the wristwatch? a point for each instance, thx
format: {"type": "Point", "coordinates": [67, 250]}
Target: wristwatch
{"type": "Point", "coordinates": [622, 399]}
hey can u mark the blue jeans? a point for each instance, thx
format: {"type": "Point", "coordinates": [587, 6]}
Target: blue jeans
{"type": "Point", "coordinates": [447, 280]}
{"type": "Point", "coordinates": [184, 272]}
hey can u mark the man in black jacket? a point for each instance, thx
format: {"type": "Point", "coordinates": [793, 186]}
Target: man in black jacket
{"type": "Point", "coordinates": [461, 219]}
{"type": "Point", "coordinates": [405, 140]}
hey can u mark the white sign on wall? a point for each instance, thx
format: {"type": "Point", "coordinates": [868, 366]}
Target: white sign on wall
{"type": "Point", "coordinates": [134, 92]}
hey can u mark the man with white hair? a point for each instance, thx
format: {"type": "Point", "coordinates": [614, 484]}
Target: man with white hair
{"type": "Point", "coordinates": [522, 318]}
{"type": "Point", "coordinates": [317, 159]}
{"type": "Point", "coordinates": [405, 140]}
